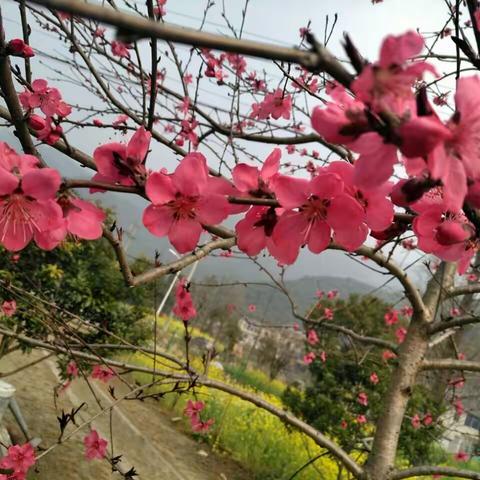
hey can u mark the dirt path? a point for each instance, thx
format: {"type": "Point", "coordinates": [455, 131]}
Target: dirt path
{"type": "Point", "coordinates": [144, 434]}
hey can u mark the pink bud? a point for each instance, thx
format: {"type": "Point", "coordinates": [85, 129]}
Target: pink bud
{"type": "Point", "coordinates": [37, 122]}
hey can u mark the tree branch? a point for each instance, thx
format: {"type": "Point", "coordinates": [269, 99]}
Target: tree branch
{"type": "Point", "coordinates": [318, 60]}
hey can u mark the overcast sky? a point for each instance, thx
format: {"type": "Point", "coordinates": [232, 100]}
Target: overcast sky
{"type": "Point", "coordinates": [277, 22]}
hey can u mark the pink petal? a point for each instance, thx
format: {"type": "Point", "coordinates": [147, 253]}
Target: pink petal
{"type": "Point", "coordinates": [291, 192]}
{"type": "Point", "coordinates": [184, 234]}
{"type": "Point", "coordinates": [352, 238]}
{"type": "Point", "coordinates": [421, 135]}
{"type": "Point", "coordinates": [104, 157]}
{"type": "Point", "coordinates": [250, 239]}
{"type": "Point", "coordinates": [46, 214]}
{"type": "Point", "coordinates": [245, 177]}
{"type": "Point", "coordinates": [49, 239]}
{"type": "Point", "coordinates": [87, 221]}
{"type": "Point", "coordinates": [212, 209]}
{"type": "Point", "coordinates": [451, 232]}
{"type": "Point", "coordinates": [271, 165]}
{"type": "Point", "coordinates": [137, 148]}
{"type": "Point", "coordinates": [379, 213]}
{"type": "Point", "coordinates": [345, 212]}
{"type": "Point", "coordinates": [326, 185]}
{"type": "Point", "coordinates": [396, 50]}
{"type": "Point", "coordinates": [455, 186]}
{"type": "Point", "coordinates": [41, 184]}
{"type": "Point", "coordinates": [288, 236]}
{"type": "Point", "coordinates": [375, 164]}
{"type": "Point", "coordinates": [8, 182]}
{"type": "Point", "coordinates": [319, 238]}
{"type": "Point", "coordinates": [157, 220]}
{"type": "Point", "coordinates": [344, 170]}
{"type": "Point", "coordinates": [159, 188]}
{"type": "Point", "coordinates": [190, 177]}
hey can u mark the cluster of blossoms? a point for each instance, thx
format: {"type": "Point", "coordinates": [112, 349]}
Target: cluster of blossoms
{"type": "Point", "coordinates": [49, 101]}
{"type": "Point", "coordinates": [19, 459]}
{"type": "Point", "coordinates": [192, 411]}
{"type": "Point", "coordinates": [32, 208]}
{"type": "Point", "coordinates": [440, 158]}
{"type": "Point", "coordinates": [216, 65]}
{"type": "Point", "coordinates": [184, 307]}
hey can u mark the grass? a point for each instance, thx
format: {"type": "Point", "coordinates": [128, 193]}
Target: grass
{"type": "Point", "coordinates": [255, 379]}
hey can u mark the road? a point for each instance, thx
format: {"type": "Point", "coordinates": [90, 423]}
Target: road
{"type": "Point", "coordinates": [144, 435]}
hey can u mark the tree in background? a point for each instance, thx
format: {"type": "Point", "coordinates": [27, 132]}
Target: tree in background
{"type": "Point", "coordinates": [349, 381]}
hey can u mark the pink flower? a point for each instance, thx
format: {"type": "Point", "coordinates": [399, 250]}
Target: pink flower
{"type": "Point", "coordinates": [182, 202]}
{"type": "Point", "coordinates": [323, 356]}
{"type": "Point", "coordinates": [19, 48]}
{"type": "Point", "coordinates": [120, 120]}
{"type": "Point", "coordinates": [274, 105]}
{"type": "Point", "coordinates": [322, 206]}
{"type": "Point", "coordinates": [374, 378]}
{"type": "Point", "coordinates": [187, 132]}
{"type": "Point", "coordinates": [120, 163]}
{"type": "Point", "coordinates": [201, 426]}
{"type": "Point", "coordinates": [48, 99]}
{"type": "Point", "coordinates": [160, 9]}
{"type": "Point", "coordinates": [9, 307]}
{"type": "Point", "coordinates": [255, 231]}
{"type": "Point", "coordinates": [257, 182]}
{"type": "Point", "coordinates": [362, 399]}
{"type": "Point", "coordinates": [391, 317]}
{"type": "Point", "coordinates": [361, 419]}
{"type": "Point", "coordinates": [309, 358]}
{"type": "Point", "coordinates": [184, 307]}
{"type": "Point", "coordinates": [343, 424]}
{"type": "Point", "coordinates": [72, 369]}
{"type": "Point", "coordinates": [19, 458]}
{"type": "Point", "coordinates": [81, 219]}
{"type": "Point", "coordinates": [401, 333]}
{"type": "Point", "coordinates": [455, 312]}
{"type": "Point", "coordinates": [328, 313]}
{"type": "Point", "coordinates": [462, 457]}
{"type": "Point", "coordinates": [193, 408]}
{"type": "Point", "coordinates": [343, 119]}
{"type": "Point", "coordinates": [319, 293]}
{"type": "Point", "coordinates": [252, 308]}
{"type": "Point", "coordinates": [387, 85]}
{"type": "Point", "coordinates": [102, 373]}
{"type": "Point", "coordinates": [442, 233]}
{"type": "Point", "coordinates": [416, 421]}
{"type": "Point", "coordinates": [427, 419]}
{"type": "Point", "coordinates": [312, 337]}
{"type": "Point", "coordinates": [27, 199]}
{"type": "Point", "coordinates": [388, 355]}
{"type": "Point", "coordinates": [332, 294]}
{"type": "Point", "coordinates": [120, 49]}
{"type": "Point", "coordinates": [378, 208]}
{"type": "Point", "coordinates": [375, 164]}
{"type": "Point", "coordinates": [95, 446]}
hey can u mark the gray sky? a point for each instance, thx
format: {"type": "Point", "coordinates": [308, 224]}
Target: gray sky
{"type": "Point", "coordinates": [278, 22]}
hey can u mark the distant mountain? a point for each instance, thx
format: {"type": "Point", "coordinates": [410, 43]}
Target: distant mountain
{"type": "Point", "coordinates": [273, 306]}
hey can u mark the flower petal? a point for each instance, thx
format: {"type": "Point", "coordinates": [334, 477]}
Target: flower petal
{"type": "Point", "coordinates": [159, 188]}
{"type": "Point", "coordinates": [42, 183]}
{"type": "Point", "coordinates": [184, 234]}
{"type": "Point", "coordinates": [157, 220]}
